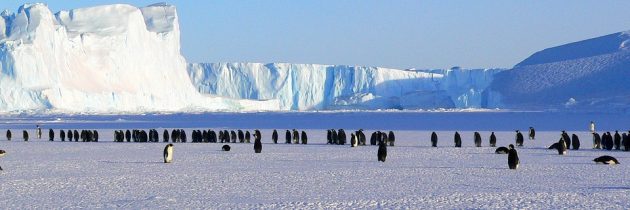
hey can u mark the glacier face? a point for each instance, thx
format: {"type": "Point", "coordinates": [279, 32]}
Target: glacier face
{"type": "Point", "coordinates": [113, 58]}
{"type": "Point", "coordinates": [333, 87]}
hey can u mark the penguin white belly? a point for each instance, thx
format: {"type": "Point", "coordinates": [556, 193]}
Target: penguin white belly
{"type": "Point", "coordinates": [610, 162]}
{"type": "Point", "coordinates": [169, 155]}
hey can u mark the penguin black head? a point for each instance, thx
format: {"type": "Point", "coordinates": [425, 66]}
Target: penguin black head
{"type": "Point", "coordinates": [2, 153]}
{"type": "Point", "coordinates": [169, 145]}
{"type": "Point", "coordinates": [511, 146]}
{"type": "Point", "coordinates": [226, 148]}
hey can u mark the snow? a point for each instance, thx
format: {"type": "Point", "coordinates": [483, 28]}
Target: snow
{"type": "Point", "coordinates": [334, 87]}
{"type": "Point", "coordinates": [42, 174]}
{"type": "Point", "coordinates": [104, 59]}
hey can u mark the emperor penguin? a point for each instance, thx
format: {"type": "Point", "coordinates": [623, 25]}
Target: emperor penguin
{"type": "Point", "coordinates": [39, 132]}
{"type": "Point", "coordinates": [567, 139]}
{"type": "Point", "coordinates": [287, 137]}
{"type": "Point", "coordinates": [51, 135]}
{"type": "Point", "coordinates": [519, 138]}
{"type": "Point", "coordinates": [575, 141]}
{"type": "Point", "coordinates": [502, 150]}
{"type": "Point", "coordinates": [257, 144]}
{"type": "Point", "coordinates": [562, 147]}
{"type": "Point", "coordinates": [608, 160]}
{"type": "Point", "coordinates": [25, 135]}
{"type": "Point", "coordinates": [532, 133]}
{"type": "Point", "coordinates": [477, 139]}
{"type": "Point", "coordinates": [391, 138]}
{"type": "Point", "coordinates": [2, 153]}
{"type": "Point", "coordinates": [513, 158]}
{"type": "Point", "coordinates": [617, 141]}
{"type": "Point", "coordinates": [493, 140]}
{"type": "Point", "coordinates": [304, 137]}
{"type": "Point", "coordinates": [274, 136]}
{"type": "Point", "coordinates": [168, 153]}
{"type": "Point", "coordinates": [353, 140]}
{"type": "Point", "coordinates": [9, 135]}
{"type": "Point", "coordinates": [597, 141]}
{"type": "Point", "coordinates": [382, 151]}
{"type": "Point", "coordinates": [434, 139]}
{"type": "Point", "coordinates": [458, 139]}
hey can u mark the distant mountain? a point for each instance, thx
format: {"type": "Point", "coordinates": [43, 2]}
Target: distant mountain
{"type": "Point", "coordinates": [593, 74]}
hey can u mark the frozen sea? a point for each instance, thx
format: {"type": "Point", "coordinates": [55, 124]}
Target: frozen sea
{"type": "Point", "coordinates": [42, 174]}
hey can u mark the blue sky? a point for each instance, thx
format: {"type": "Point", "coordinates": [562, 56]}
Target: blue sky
{"type": "Point", "coordinates": [397, 34]}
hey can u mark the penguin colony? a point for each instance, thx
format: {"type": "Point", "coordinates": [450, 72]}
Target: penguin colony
{"type": "Point", "coordinates": [606, 141]}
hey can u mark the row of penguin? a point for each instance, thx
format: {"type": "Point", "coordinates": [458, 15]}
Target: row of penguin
{"type": "Point", "coordinates": [606, 141]}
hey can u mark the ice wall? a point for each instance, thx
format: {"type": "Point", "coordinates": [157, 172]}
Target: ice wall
{"type": "Point", "coordinates": [113, 58]}
{"type": "Point", "coordinates": [330, 87]}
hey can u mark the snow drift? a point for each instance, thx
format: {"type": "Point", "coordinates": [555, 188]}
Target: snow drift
{"type": "Point", "coordinates": [316, 87]}
{"type": "Point", "coordinates": [113, 58]}
{"type": "Point", "coordinates": [586, 75]}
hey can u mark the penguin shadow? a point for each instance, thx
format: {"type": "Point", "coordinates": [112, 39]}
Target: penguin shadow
{"type": "Point", "coordinates": [608, 188]}
{"type": "Point", "coordinates": [131, 162]}
{"type": "Point", "coordinates": [450, 167]}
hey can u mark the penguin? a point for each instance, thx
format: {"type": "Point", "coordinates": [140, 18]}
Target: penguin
{"type": "Point", "coordinates": [567, 139]}
{"type": "Point", "coordinates": [233, 136]}
{"type": "Point", "coordinates": [554, 146]}
{"type": "Point", "coordinates": [477, 139]}
{"type": "Point", "coordinates": [608, 142]}
{"type": "Point", "coordinates": [248, 137]}
{"type": "Point", "coordinates": [512, 158]}
{"type": "Point", "coordinates": [334, 136]}
{"type": "Point", "coordinates": [353, 140]}
{"type": "Point", "coordinates": [62, 135]}
{"type": "Point", "coordinates": [274, 136]}
{"type": "Point", "coordinates": [226, 148]}
{"type": "Point", "coordinates": [341, 135]}
{"type": "Point", "coordinates": [241, 136]}
{"type": "Point", "coordinates": [493, 140]}
{"type": "Point", "coordinates": [2, 154]}
{"type": "Point", "coordinates": [69, 135]}
{"type": "Point", "coordinates": [617, 141]}
{"type": "Point", "coordinates": [361, 137]}
{"type": "Point", "coordinates": [597, 141]}
{"type": "Point", "coordinates": [51, 135]}
{"type": "Point", "coordinates": [373, 139]}
{"type": "Point", "coordinates": [25, 135]}
{"type": "Point", "coordinates": [391, 138]}
{"type": "Point", "coordinates": [382, 151]}
{"type": "Point", "coordinates": [457, 139]}
{"type": "Point", "coordinates": [304, 138]}
{"type": "Point", "coordinates": [257, 144]}
{"type": "Point", "coordinates": [296, 137]}
{"type": "Point", "coordinates": [287, 137]}
{"type": "Point", "coordinates": [626, 142]}
{"type": "Point", "coordinates": [76, 136]}
{"type": "Point", "coordinates": [9, 135]}
{"type": "Point", "coordinates": [127, 135]}
{"type": "Point", "coordinates": [39, 132]}
{"type": "Point", "coordinates": [501, 150]}
{"type": "Point", "coordinates": [519, 138]}
{"type": "Point", "coordinates": [96, 135]}
{"type": "Point", "coordinates": [434, 139]}
{"type": "Point", "coordinates": [608, 160]}
{"type": "Point", "coordinates": [591, 127]}
{"type": "Point", "coordinates": [575, 141]}
{"type": "Point", "coordinates": [328, 136]}
{"type": "Point", "coordinates": [532, 133]}
{"type": "Point", "coordinates": [165, 135]}
{"type": "Point", "coordinates": [562, 147]}
{"type": "Point", "coordinates": [168, 153]}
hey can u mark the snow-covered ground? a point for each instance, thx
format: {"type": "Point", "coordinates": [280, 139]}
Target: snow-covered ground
{"type": "Point", "coordinates": [42, 174]}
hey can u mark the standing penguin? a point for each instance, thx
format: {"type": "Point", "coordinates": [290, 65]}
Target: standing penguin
{"type": "Point", "coordinates": [248, 137]}
{"type": "Point", "coordinates": [519, 138]}
{"type": "Point", "coordinates": [608, 141]}
{"type": "Point", "coordinates": [562, 147]}
{"type": "Point", "coordinates": [39, 132]}
{"type": "Point", "coordinates": [62, 135]}
{"type": "Point", "coordinates": [296, 137]}
{"type": "Point", "coordinates": [373, 139]}
{"type": "Point", "coordinates": [274, 136]}
{"type": "Point", "coordinates": [493, 140]}
{"type": "Point", "coordinates": [457, 139]}
{"type": "Point", "coordinates": [566, 138]}
{"type": "Point", "coordinates": [626, 142]}
{"type": "Point", "coordinates": [165, 135]}
{"type": "Point", "coordinates": [168, 153]}
{"type": "Point", "coordinates": [304, 138]}
{"type": "Point", "coordinates": [591, 127]}
{"type": "Point", "coordinates": [477, 139]}
{"type": "Point", "coordinates": [287, 137]}
{"type": "Point", "coordinates": [353, 140]}
{"type": "Point", "coordinates": [617, 141]}
{"type": "Point", "coordinates": [513, 158]}
{"type": "Point", "coordinates": [257, 144]}
{"type": "Point", "coordinates": [69, 135]}
{"type": "Point", "coordinates": [51, 135]}
{"type": "Point", "coordinates": [382, 151]}
{"type": "Point", "coordinates": [9, 135]}
{"type": "Point", "coordinates": [25, 135]}
{"type": "Point", "coordinates": [532, 133]}
{"type": "Point", "coordinates": [575, 141]}
{"type": "Point", "coordinates": [434, 139]}
{"type": "Point", "coordinates": [597, 141]}
{"type": "Point", "coordinates": [391, 138]}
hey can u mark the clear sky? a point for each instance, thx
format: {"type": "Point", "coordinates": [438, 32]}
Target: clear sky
{"type": "Point", "coordinates": [397, 34]}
